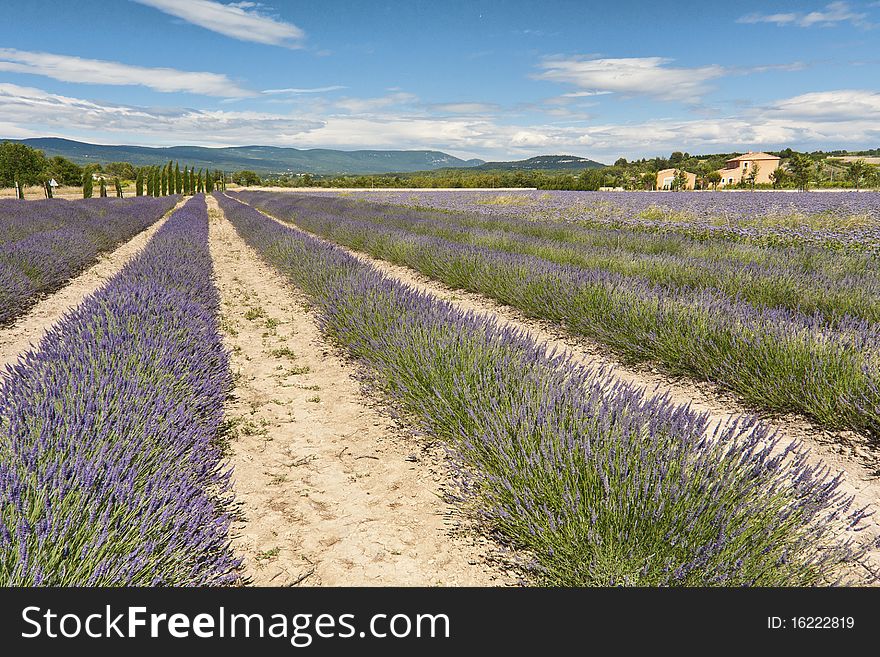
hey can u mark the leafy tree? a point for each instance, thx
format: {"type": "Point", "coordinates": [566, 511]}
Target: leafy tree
{"type": "Point", "coordinates": [752, 176]}
{"type": "Point", "coordinates": [620, 162]}
{"type": "Point", "coordinates": [245, 178]}
{"type": "Point", "coordinates": [779, 177]}
{"type": "Point", "coordinates": [648, 180]}
{"type": "Point", "coordinates": [18, 161]}
{"type": "Point", "coordinates": [63, 171]}
{"type": "Point", "coordinates": [124, 170]}
{"type": "Point", "coordinates": [800, 166]}
{"type": "Point", "coordinates": [714, 179]}
{"type": "Point", "coordinates": [856, 172]}
{"type": "Point", "coordinates": [680, 181]}
{"type": "Point", "coordinates": [87, 184]}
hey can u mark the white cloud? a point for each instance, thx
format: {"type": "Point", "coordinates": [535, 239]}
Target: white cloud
{"type": "Point", "coordinates": [585, 94]}
{"type": "Point", "coordinates": [38, 111]}
{"type": "Point", "coordinates": [631, 76]}
{"type": "Point", "coordinates": [816, 120]}
{"type": "Point", "coordinates": [853, 104]}
{"type": "Point", "coordinates": [295, 91]}
{"type": "Point", "coordinates": [463, 108]}
{"type": "Point", "coordinates": [96, 71]}
{"type": "Point", "coordinates": [834, 13]}
{"type": "Point", "coordinates": [237, 20]}
{"type": "Point", "coordinates": [366, 105]}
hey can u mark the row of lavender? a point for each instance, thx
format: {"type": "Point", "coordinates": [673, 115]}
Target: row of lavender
{"type": "Point", "coordinates": [109, 471]}
{"type": "Point", "coordinates": [777, 359]}
{"type": "Point", "coordinates": [844, 220]}
{"type": "Point", "coordinates": [809, 279]}
{"type": "Point", "coordinates": [598, 482]}
{"type": "Point", "coordinates": [45, 243]}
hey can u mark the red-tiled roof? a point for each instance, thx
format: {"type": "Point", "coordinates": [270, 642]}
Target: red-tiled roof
{"type": "Point", "coordinates": [753, 156]}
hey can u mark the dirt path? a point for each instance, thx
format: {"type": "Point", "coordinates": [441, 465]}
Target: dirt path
{"type": "Point", "coordinates": [331, 492]}
{"type": "Point", "coordinates": [27, 331]}
{"type": "Point", "coordinates": [844, 452]}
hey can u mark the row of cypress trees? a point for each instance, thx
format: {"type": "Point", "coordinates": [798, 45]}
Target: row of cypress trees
{"type": "Point", "coordinates": [169, 179]}
{"type": "Point", "coordinates": [163, 181]}
{"type": "Point", "coordinates": [88, 187]}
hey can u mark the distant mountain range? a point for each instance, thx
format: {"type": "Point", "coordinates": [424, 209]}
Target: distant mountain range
{"type": "Point", "coordinates": [261, 159]}
{"type": "Point", "coordinates": [544, 162]}
{"type": "Point", "coordinates": [272, 159]}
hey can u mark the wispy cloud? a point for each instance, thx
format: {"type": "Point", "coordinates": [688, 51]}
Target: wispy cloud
{"type": "Point", "coordinates": [840, 117]}
{"type": "Point", "coordinates": [36, 110]}
{"type": "Point", "coordinates": [631, 76]}
{"type": "Point", "coordinates": [239, 20]}
{"type": "Point", "coordinates": [367, 105]}
{"type": "Point", "coordinates": [96, 71]}
{"type": "Point", "coordinates": [838, 105]}
{"type": "Point", "coordinates": [463, 108]}
{"type": "Point", "coordinates": [296, 91]}
{"type": "Point", "coordinates": [585, 94]}
{"type": "Point", "coordinates": [833, 14]}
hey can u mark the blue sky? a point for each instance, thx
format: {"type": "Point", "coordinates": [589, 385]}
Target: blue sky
{"type": "Point", "coordinates": [484, 78]}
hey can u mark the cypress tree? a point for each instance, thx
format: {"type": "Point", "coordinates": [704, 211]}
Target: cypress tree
{"type": "Point", "coordinates": [178, 179]}
{"type": "Point", "coordinates": [163, 181]}
{"type": "Point", "coordinates": [148, 176]}
{"type": "Point", "coordinates": [200, 186]}
{"type": "Point", "coordinates": [87, 184]}
{"type": "Point", "coordinates": [155, 181]}
{"type": "Point", "coordinates": [187, 181]}
{"type": "Point", "coordinates": [118, 186]}
{"type": "Point", "coordinates": [103, 188]}
{"type": "Point", "coordinates": [209, 182]}
{"type": "Point", "coordinates": [139, 183]}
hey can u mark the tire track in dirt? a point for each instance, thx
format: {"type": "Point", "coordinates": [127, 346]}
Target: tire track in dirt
{"type": "Point", "coordinates": [841, 451]}
{"type": "Point", "coordinates": [330, 492]}
{"type": "Point", "coordinates": [27, 331]}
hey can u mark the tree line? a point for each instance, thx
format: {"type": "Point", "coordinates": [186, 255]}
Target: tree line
{"type": "Point", "coordinates": [22, 166]}
{"type": "Point", "coordinates": [798, 171]}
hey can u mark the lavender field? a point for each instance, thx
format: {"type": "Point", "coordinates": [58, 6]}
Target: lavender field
{"type": "Point", "coordinates": [602, 483]}
{"type": "Point", "coordinates": [44, 243]}
{"type": "Point", "coordinates": [110, 473]}
{"type": "Point", "coordinates": [116, 448]}
{"type": "Point", "coordinates": [783, 315]}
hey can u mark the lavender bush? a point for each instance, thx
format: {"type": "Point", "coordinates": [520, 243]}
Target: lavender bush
{"type": "Point", "coordinates": [601, 483]}
{"type": "Point", "coordinates": [45, 243]}
{"type": "Point", "coordinates": [109, 471]}
{"type": "Point", "coordinates": [773, 357]}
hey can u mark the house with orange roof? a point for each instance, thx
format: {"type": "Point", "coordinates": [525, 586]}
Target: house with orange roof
{"type": "Point", "coordinates": [741, 166]}
{"type": "Point", "coordinates": [666, 179]}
